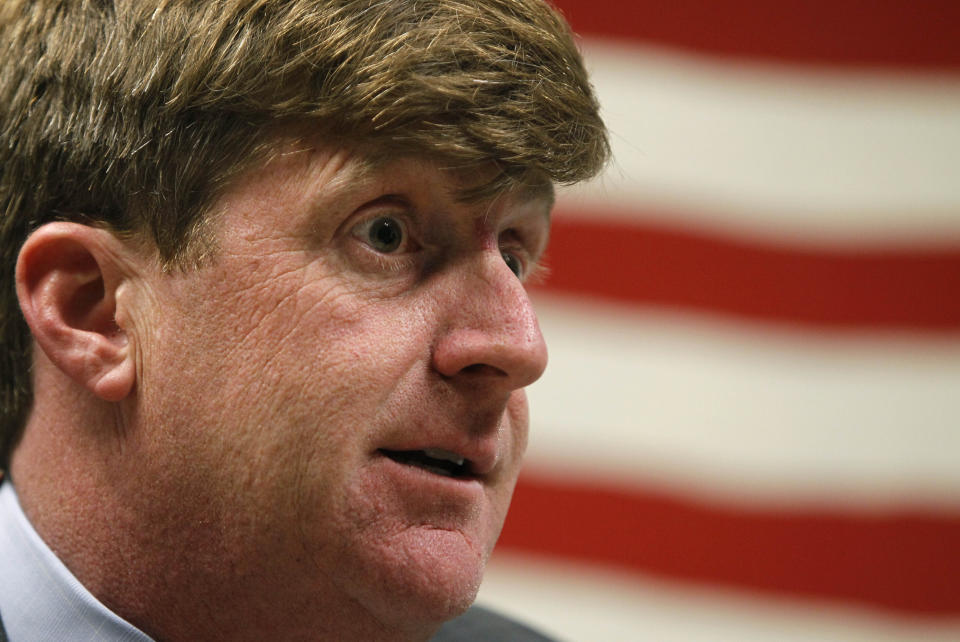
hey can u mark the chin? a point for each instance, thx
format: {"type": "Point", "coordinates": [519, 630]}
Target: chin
{"type": "Point", "coordinates": [436, 579]}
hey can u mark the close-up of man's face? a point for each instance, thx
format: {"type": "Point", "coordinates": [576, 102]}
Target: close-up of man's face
{"type": "Point", "coordinates": [264, 317]}
{"type": "Point", "coordinates": [339, 391]}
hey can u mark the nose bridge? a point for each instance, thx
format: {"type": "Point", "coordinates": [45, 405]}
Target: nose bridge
{"type": "Point", "coordinates": [501, 301]}
{"type": "Point", "coordinates": [490, 322]}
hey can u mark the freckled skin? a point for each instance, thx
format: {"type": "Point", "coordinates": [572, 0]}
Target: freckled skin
{"type": "Point", "coordinates": [268, 379]}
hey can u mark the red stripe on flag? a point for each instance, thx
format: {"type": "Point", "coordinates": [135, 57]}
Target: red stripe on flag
{"type": "Point", "coordinates": [898, 33]}
{"type": "Point", "coordinates": [905, 561]}
{"type": "Point", "coordinates": [888, 288]}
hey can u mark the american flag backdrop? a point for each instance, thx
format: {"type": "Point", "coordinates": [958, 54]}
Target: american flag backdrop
{"type": "Point", "coordinates": [750, 426]}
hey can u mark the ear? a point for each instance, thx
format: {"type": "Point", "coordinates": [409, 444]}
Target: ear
{"type": "Point", "coordinates": [67, 280]}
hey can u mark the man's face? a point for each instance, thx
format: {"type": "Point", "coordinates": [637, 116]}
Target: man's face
{"type": "Point", "coordinates": [333, 407]}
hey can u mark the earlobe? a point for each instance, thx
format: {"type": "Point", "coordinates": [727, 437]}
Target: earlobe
{"type": "Point", "coordinates": [67, 280]}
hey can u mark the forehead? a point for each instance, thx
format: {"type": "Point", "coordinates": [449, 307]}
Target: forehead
{"type": "Point", "coordinates": [468, 184]}
{"type": "Point", "coordinates": [343, 164]}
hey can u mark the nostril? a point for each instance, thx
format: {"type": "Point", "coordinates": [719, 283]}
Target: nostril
{"type": "Point", "coordinates": [483, 369]}
{"type": "Point", "coordinates": [500, 356]}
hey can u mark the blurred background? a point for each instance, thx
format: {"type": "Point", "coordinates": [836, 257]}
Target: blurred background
{"type": "Point", "coordinates": [750, 427]}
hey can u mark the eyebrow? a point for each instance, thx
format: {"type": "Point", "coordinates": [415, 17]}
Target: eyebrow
{"type": "Point", "coordinates": [547, 193]}
{"type": "Point", "coordinates": [540, 191]}
{"type": "Point", "coordinates": [367, 166]}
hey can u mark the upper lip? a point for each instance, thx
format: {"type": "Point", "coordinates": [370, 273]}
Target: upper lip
{"type": "Point", "coordinates": [480, 452]}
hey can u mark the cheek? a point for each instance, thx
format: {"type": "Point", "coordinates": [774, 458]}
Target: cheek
{"type": "Point", "coordinates": [373, 346]}
{"type": "Point", "coordinates": [319, 369]}
{"type": "Point", "coordinates": [518, 413]}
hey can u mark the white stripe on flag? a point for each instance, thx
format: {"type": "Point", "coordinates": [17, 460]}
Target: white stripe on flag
{"type": "Point", "coordinates": [770, 150]}
{"type": "Point", "coordinates": [579, 603]}
{"type": "Point", "coordinates": [748, 411]}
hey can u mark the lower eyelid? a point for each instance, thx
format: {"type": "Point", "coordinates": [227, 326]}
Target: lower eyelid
{"type": "Point", "coordinates": [396, 264]}
{"type": "Point", "coordinates": [370, 260]}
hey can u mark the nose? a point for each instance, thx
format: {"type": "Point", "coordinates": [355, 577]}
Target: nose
{"type": "Point", "coordinates": [490, 331]}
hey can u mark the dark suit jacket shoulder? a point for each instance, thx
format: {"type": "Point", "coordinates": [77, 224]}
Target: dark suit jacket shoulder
{"type": "Point", "coordinates": [482, 625]}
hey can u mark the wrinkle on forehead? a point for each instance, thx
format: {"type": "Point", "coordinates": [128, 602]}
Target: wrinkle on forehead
{"type": "Point", "coordinates": [326, 167]}
{"type": "Point", "coordinates": [471, 181]}
{"type": "Point", "coordinates": [533, 194]}
{"type": "Point", "coordinates": [467, 181]}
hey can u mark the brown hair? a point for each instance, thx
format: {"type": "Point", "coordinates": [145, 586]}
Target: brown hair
{"type": "Point", "coordinates": [135, 115]}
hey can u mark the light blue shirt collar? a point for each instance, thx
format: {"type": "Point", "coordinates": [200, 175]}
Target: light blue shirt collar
{"type": "Point", "coordinates": [40, 600]}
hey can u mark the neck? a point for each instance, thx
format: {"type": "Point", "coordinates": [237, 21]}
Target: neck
{"type": "Point", "coordinates": [159, 556]}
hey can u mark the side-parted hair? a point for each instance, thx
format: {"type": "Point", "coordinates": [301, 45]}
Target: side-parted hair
{"type": "Point", "coordinates": [135, 115]}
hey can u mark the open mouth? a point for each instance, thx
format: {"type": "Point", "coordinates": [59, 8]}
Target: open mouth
{"type": "Point", "coordinates": [433, 460]}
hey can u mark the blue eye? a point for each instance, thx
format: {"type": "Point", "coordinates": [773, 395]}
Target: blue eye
{"type": "Point", "coordinates": [385, 234]}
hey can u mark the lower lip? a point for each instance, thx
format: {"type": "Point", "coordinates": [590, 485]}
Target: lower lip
{"type": "Point", "coordinates": [419, 480]}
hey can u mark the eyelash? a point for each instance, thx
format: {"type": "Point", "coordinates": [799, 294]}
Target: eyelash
{"type": "Point", "coordinates": [538, 275]}
{"type": "Point", "coordinates": [514, 242]}
{"type": "Point", "coordinates": [394, 264]}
